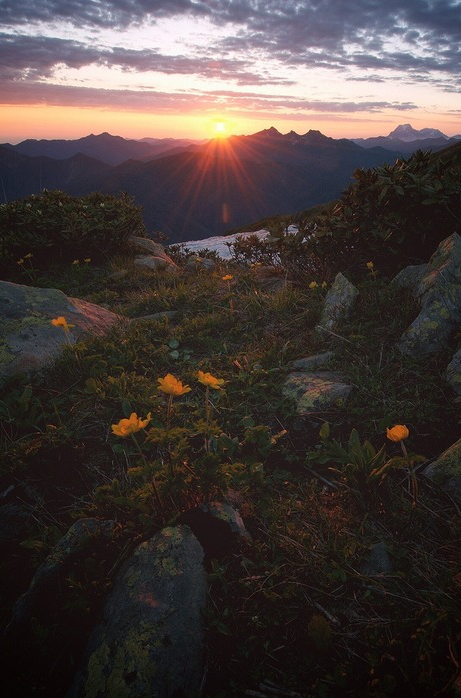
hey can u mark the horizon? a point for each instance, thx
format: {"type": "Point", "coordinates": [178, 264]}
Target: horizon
{"type": "Point", "coordinates": [218, 135]}
{"type": "Point", "coordinates": [198, 69]}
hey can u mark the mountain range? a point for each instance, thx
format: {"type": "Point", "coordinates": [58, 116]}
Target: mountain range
{"type": "Point", "coordinates": [193, 190]}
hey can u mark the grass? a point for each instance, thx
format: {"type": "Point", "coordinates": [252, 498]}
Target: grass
{"type": "Point", "coordinates": [295, 606]}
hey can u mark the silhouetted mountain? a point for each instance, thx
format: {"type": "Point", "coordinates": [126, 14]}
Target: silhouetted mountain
{"type": "Point", "coordinates": [21, 175]}
{"type": "Point", "coordinates": [206, 190]}
{"type": "Point", "coordinates": [407, 139]}
{"type": "Point", "coordinates": [109, 149]}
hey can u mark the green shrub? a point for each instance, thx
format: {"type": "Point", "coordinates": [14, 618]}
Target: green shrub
{"type": "Point", "coordinates": [54, 226]}
{"type": "Point", "coordinates": [400, 210]}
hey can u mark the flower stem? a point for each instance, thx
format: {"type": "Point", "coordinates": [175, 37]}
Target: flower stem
{"type": "Point", "coordinates": [154, 485]}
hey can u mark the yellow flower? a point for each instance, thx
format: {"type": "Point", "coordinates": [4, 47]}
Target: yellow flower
{"type": "Point", "coordinates": [28, 255]}
{"type": "Point", "coordinates": [210, 381]}
{"type": "Point", "coordinates": [172, 386]}
{"type": "Point", "coordinates": [313, 285]}
{"type": "Point", "coordinates": [324, 284]}
{"type": "Point", "coordinates": [398, 433]}
{"type": "Point", "coordinates": [62, 322]}
{"type": "Point", "coordinates": [125, 427]}
{"type": "Point", "coordinates": [228, 277]}
{"type": "Point", "coordinates": [20, 261]}
{"type": "Point", "coordinates": [75, 262]}
{"type": "Point", "coordinates": [87, 260]}
{"type": "Point", "coordinates": [370, 265]}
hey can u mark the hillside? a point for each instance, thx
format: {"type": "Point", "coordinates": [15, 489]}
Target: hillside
{"type": "Point", "coordinates": [208, 189]}
{"type": "Point", "coordinates": [347, 580]}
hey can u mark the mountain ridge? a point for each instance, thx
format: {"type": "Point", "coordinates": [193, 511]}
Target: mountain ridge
{"type": "Point", "coordinates": [201, 190]}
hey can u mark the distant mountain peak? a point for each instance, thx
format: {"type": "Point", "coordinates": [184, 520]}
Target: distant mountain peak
{"type": "Point", "coordinates": [406, 132]}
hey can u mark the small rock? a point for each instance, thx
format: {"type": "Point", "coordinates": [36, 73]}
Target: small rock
{"type": "Point", "coordinates": [445, 471]}
{"type": "Point", "coordinates": [195, 264]}
{"type": "Point", "coordinates": [168, 314]}
{"type": "Point", "coordinates": [338, 302]}
{"type": "Point", "coordinates": [311, 362]}
{"type": "Point", "coordinates": [453, 374]}
{"type": "Point", "coordinates": [217, 526]}
{"type": "Point", "coordinates": [378, 562]}
{"type": "Point", "coordinates": [316, 392]}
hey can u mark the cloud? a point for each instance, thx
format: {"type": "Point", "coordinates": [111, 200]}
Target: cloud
{"type": "Point", "coordinates": [250, 43]}
{"type": "Point", "coordinates": [231, 103]}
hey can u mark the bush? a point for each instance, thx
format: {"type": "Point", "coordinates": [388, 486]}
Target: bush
{"type": "Point", "coordinates": [401, 210]}
{"type": "Point", "coordinates": [58, 227]}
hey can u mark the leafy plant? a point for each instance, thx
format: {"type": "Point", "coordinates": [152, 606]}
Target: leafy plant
{"type": "Point", "coordinates": [55, 225]}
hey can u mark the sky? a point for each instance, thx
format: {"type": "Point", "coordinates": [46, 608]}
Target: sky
{"type": "Point", "coordinates": [204, 68]}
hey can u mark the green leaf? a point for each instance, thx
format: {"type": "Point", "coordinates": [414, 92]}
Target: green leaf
{"type": "Point", "coordinates": [126, 408]}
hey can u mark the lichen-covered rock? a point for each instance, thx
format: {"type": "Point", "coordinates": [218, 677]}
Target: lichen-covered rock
{"type": "Point", "coordinates": [28, 340]}
{"type": "Point", "coordinates": [338, 302]}
{"type": "Point", "coordinates": [437, 285]}
{"type": "Point", "coordinates": [446, 470]}
{"type": "Point", "coordinates": [316, 392]}
{"type": "Point", "coordinates": [150, 642]}
{"type": "Point", "coordinates": [453, 374]}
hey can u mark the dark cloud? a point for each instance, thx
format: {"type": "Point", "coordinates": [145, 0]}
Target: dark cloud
{"type": "Point", "coordinates": [266, 40]}
{"type": "Point", "coordinates": [38, 57]}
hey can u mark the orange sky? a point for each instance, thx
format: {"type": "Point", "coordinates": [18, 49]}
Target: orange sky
{"type": "Point", "coordinates": [350, 70]}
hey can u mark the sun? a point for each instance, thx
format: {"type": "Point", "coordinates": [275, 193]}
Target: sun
{"type": "Point", "coordinates": [220, 128]}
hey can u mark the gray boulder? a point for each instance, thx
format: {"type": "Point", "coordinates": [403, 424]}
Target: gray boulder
{"type": "Point", "coordinates": [28, 340]}
{"type": "Point", "coordinates": [437, 286]}
{"type": "Point", "coordinates": [338, 302]}
{"type": "Point", "coordinates": [154, 256]}
{"type": "Point", "coordinates": [150, 642]}
{"type": "Point", "coordinates": [446, 471]}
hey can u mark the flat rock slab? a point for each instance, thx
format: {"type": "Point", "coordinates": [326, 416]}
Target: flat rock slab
{"type": "Point", "coordinates": [28, 340]}
{"type": "Point", "coordinates": [316, 392]}
{"type": "Point", "coordinates": [150, 643]}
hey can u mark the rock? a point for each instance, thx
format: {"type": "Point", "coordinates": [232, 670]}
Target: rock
{"type": "Point", "coordinates": [446, 471]}
{"type": "Point", "coordinates": [311, 362]}
{"type": "Point", "coordinates": [437, 286]}
{"type": "Point", "coordinates": [411, 277]}
{"type": "Point", "coordinates": [152, 248]}
{"type": "Point", "coordinates": [378, 562]}
{"type": "Point", "coordinates": [83, 536]}
{"type": "Point", "coordinates": [271, 278]}
{"type": "Point", "coordinates": [195, 263]}
{"type": "Point", "coordinates": [150, 642]}
{"type": "Point", "coordinates": [28, 340]}
{"type": "Point", "coordinates": [453, 374]}
{"type": "Point", "coordinates": [151, 263]}
{"type": "Point", "coordinates": [316, 392]}
{"type": "Point", "coordinates": [217, 525]}
{"type": "Point", "coordinates": [168, 314]}
{"type": "Point", "coordinates": [338, 302]}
